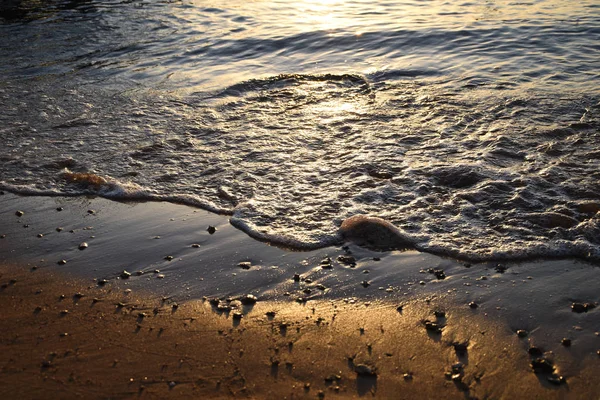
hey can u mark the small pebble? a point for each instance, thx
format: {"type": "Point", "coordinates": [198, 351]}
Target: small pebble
{"type": "Point", "coordinates": [365, 370]}
{"type": "Point", "coordinates": [91, 212]}
{"type": "Point", "coordinates": [169, 258]}
{"type": "Point", "coordinates": [59, 229]}
{"type": "Point", "coordinates": [211, 229]}
{"type": "Point", "coordinates": [407, 377]}
{"type": "Point", "coordinates": [535, 351]}
{"type": "Point", "coordinates": [19, 213]}
{"type": "Point", "coordinates": [83, 246]}
{"type": "Point", "coordinates": [522, 333]}
{"type": "Point", "coordinates": [62, 262]}
{"type": "Point", "coordinates": [125, 274]}
{"type": "Point", "coordinates": [195, 245]}
{"type": "Point", "coordinates": [237, 315]}
{"type": "Point", "coordinates": [296, 277]}
{"type": "Point", "coordinates": [59, 208]}
{"type": "Point", "coordinates": [566, 342]}
{"type": "Point", "coordinates": [40, 235]}
{"type": "Point", "coordinates": [249, 299]}
{"type": "Point", "coordinates": [245, 265]}
{"type": "Point", "coordinates": [473, 305]}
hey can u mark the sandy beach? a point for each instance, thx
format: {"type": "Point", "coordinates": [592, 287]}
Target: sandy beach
{"type": "Point", "coordinates": [84, 329]}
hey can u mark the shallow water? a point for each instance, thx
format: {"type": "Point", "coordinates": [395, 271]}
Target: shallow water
{"type": "Point", "coordinates": [474, 127]}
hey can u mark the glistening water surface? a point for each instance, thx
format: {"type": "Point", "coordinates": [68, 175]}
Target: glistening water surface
{"type": "Point", "coordinates": [474, 127]}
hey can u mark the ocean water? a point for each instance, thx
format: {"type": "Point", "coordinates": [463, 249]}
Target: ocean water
{"type": "Point", "coordinates": [473, 127]}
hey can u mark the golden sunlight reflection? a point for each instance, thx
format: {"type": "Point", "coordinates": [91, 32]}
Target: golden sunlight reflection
{"type": "Point", "coordinates": [325, 14]}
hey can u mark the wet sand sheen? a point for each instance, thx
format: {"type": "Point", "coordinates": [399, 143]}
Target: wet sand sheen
{"type": "Point", "coordinates": [455, 333]}
{"type": "Point", "coordinates": [103, 342]}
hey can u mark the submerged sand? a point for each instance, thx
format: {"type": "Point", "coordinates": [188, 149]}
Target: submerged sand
{"type": "Point", "coordinates": [79, 330]}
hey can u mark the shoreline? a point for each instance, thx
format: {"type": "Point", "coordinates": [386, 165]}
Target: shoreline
{"type": "Point", "coordinates": [174, 260]}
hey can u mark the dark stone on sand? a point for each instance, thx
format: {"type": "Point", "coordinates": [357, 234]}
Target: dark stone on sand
{"type": "Point", "coordinates": [237, 315]}
{"type": "Point", "coordinates": [78, 295]}
{"type": "Point", "coordinates": [439, 314]}
{"type": "Point", "coordinates": [566, 342]}
{"type": "Point", "coordinates": [365, 284]}
{"type": "Point", "coordinates": [535, 351]}
{"type": "Point", "coordinates": [59, 229]}
{"type": "Point", "coordinates": [296, 278]}
{"type": "Point", "coordinates": [62, 262]}
{"type": "Point", "coordinates": [473, 305]}
{"type": "Point", "coordinates": [168, 258]}
{"type": "Point", "coordinates": [542, 365]}
{"type": "Point", "coordinates": [270, 314]}
{"type": "Point", "coordinates": [59, 208]}
{"type": "Point", "coordinates": [347, 260]}
{"type": "Point", "coordinates": [83, 246]}
{"type": "Point", "coordinates": [407, 376]}
{"type": "Point", "coordinates": [195, 245]}
{"type": "Point", "coordinates": [522, 333]}
{"type": "Point", "coordinates": [2, 236]}
{"type": "Point", "coordinates": [211, 229]}
{"type": "Point", "coordinates": [400, 309]}
{"type": "Point", "coordinates": [46, 364]}
{"type": "Point", "coordinates": [102, 282]}
{"type": "Point", "coordinates": [19, 213]}
{"type": "Point", "coordinates": [439, 274]}
{"type": "Point", "coordinates": [91, 212]}
{"type": "Point", "coordinates": [365, 370]}
{"type": "Point", "coordinates": [248, 299]}
{"type": "Point", "coordinates": [245, 265]}
{"type": "Point", "coordinates": [125, 274]}
{"type": "Point", "coordinates": [582, 307]}
{"type": "Point", "coordinates": [64, 312]}
{"type": "Point", "coordinates": [500, 268]}
{"type": "Point", "coordinates": [40, 235]}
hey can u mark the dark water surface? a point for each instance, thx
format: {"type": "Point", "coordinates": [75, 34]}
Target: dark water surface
{"type": "Point", "coordinates": [473, 126]}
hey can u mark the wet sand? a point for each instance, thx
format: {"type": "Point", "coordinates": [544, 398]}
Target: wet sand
{"type": "Point", "coordinates": [151, 337]}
